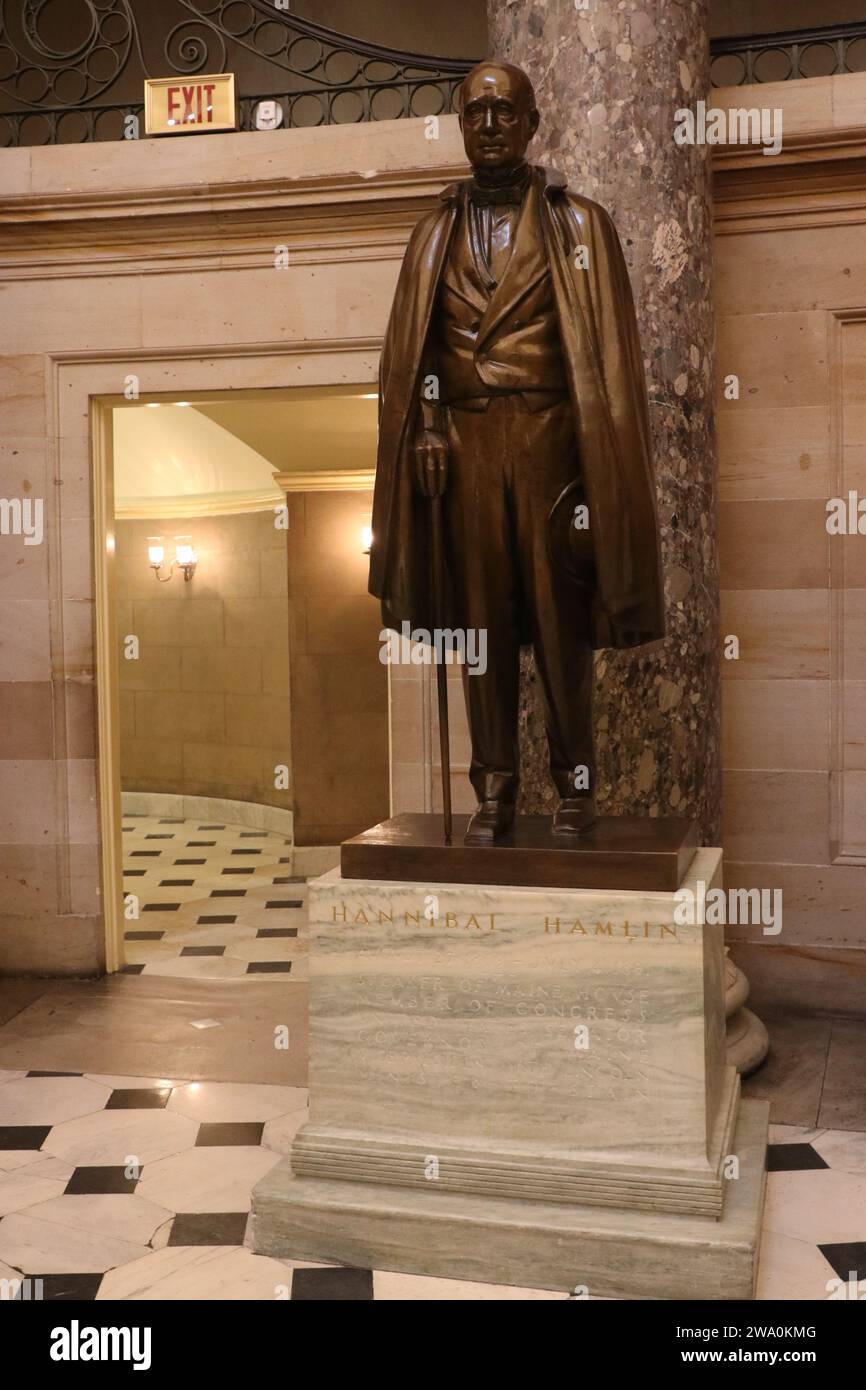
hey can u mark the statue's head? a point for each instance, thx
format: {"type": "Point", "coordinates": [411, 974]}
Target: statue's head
{"type": "Point", "coordinates": [498, 117]}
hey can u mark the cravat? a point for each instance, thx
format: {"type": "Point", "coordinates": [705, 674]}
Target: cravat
{"type": "Point", "coordinates": [513, 192]}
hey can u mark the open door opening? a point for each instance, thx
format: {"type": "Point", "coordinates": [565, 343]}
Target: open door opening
{"type": "Point", "coordinates": [245, 706]}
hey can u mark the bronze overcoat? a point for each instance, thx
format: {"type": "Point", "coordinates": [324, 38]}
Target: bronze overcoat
{"type": "Point", "coordinates": [605, 371]}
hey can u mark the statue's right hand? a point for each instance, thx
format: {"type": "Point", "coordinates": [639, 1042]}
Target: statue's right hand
{"type": "Point", "coordinates": [431, 463]}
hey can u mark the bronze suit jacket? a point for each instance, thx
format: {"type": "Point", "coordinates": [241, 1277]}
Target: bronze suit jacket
{"type": "Point", "coordinates": [605, 371]}
{"type": "Point", "coordinates": [490, 336]}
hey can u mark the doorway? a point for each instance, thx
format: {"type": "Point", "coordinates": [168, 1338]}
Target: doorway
{"type": "Point", "coordinates": [238, 651]}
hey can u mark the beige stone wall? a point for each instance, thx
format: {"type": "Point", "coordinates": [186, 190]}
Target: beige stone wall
{"type": "Point", "coordinates": [158, 259]}
{"type": "Point", "coordinates": [154, 258]}
{"type": "Point", "coordinates": [791, 325]}
{"type": "Point", "coordinates": [339, 687]}
{"type": "Point", "coordinates": [205, 707]}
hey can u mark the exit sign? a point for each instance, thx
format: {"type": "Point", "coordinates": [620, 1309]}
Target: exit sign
{"type": "Point", "coordinates": [183, 105]}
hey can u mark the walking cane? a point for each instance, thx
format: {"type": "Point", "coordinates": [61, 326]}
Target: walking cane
{"type": "Point", "coordinates": [441, 669]}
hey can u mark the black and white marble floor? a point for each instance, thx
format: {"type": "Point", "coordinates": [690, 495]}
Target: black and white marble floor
{"type": "Point", "coordinates": [213, 901]}
{"type": "Point", "coordinates": [139, 1188]}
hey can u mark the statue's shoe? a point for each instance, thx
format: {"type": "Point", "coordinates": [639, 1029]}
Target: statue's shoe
{"type": "Point", "coordinates": [575, 815]}
{"type": "Point", "coordinates": [492, 821]}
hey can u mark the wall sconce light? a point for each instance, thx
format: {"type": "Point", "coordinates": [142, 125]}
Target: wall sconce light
{"type": "Point", "coordinates": [366, 538]}
{"type": "Point", "coordinates": [185, 557]}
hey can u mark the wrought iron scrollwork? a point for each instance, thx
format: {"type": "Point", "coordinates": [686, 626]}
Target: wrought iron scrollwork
{"type": "Point", "coordinates": [330, 78]}
{"type": "Point", "coordinates": [50, 93]}
{"type": "Point", "coordinates": [86, 86]}
{"type": "Point", "coordinates": [188, 51]}
{"type": "Point", "coordinates": [789, 56]}
{"type": "Point", "coordinates": [35, 73]}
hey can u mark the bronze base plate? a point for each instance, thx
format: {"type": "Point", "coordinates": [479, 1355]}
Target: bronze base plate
{"type": "Point", "coordinates": [626, 852]}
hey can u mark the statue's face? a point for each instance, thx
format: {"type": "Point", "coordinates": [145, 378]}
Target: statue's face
{"type": "Point", "coordinates": [497, 120]}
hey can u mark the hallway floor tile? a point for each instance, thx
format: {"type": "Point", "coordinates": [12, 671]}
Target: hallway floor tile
{"type": "Point", "coordinates": [210, 902]}
{"type": "Point", "coordinates": [140, 1188]}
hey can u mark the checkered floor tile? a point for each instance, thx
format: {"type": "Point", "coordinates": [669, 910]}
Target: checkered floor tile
{"type": "Point", "coordinates": [116, 1187]}
{"type": "Point", "coordinates": [214, 901]}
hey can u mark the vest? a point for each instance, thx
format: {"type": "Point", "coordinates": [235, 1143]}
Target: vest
{"type": "Point", "coordinates": [492, 338]}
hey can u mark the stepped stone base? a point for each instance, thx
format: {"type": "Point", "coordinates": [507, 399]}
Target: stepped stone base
{"type": "Point", "coordinates": [606, 1253]}
{"type": "Point", "coordinates": [521, 1085]}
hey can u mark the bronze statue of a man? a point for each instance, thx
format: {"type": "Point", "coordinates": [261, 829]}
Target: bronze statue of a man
{"type": "Point", "coordinates": [512, 386]}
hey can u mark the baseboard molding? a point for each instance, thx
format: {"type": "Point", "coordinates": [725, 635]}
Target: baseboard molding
{"type": "Point", "coordinates": [252, 814]}
{"type": "Point", "coordinates": [312, 860]}
{"type": "Point", "coordinates": [817, 980]}
{"type": "Point", "coordinates": [52, 947]}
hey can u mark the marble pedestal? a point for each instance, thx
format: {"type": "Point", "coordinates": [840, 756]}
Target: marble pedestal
{"type": "Point", "coordinates": [521, 1085]}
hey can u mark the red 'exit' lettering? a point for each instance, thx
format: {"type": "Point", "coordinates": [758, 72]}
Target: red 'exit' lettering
{"type": "Point", "coordinates": [196, 105]}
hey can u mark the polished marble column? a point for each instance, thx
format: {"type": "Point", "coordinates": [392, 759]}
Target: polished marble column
{"type": "Point", "coordinates": [609, 78]}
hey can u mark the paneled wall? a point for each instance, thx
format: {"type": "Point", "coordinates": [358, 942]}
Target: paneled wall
{"type": "Point", "coordinates": [791, 305]}
{"type": "Point", "coordinates": [205, 706]}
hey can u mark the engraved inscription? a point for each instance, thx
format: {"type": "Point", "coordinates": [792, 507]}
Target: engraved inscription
{"type": "Point", "coordinates": [484, 923]}
{"type": "Point", "coordinates": [435, 1031]}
